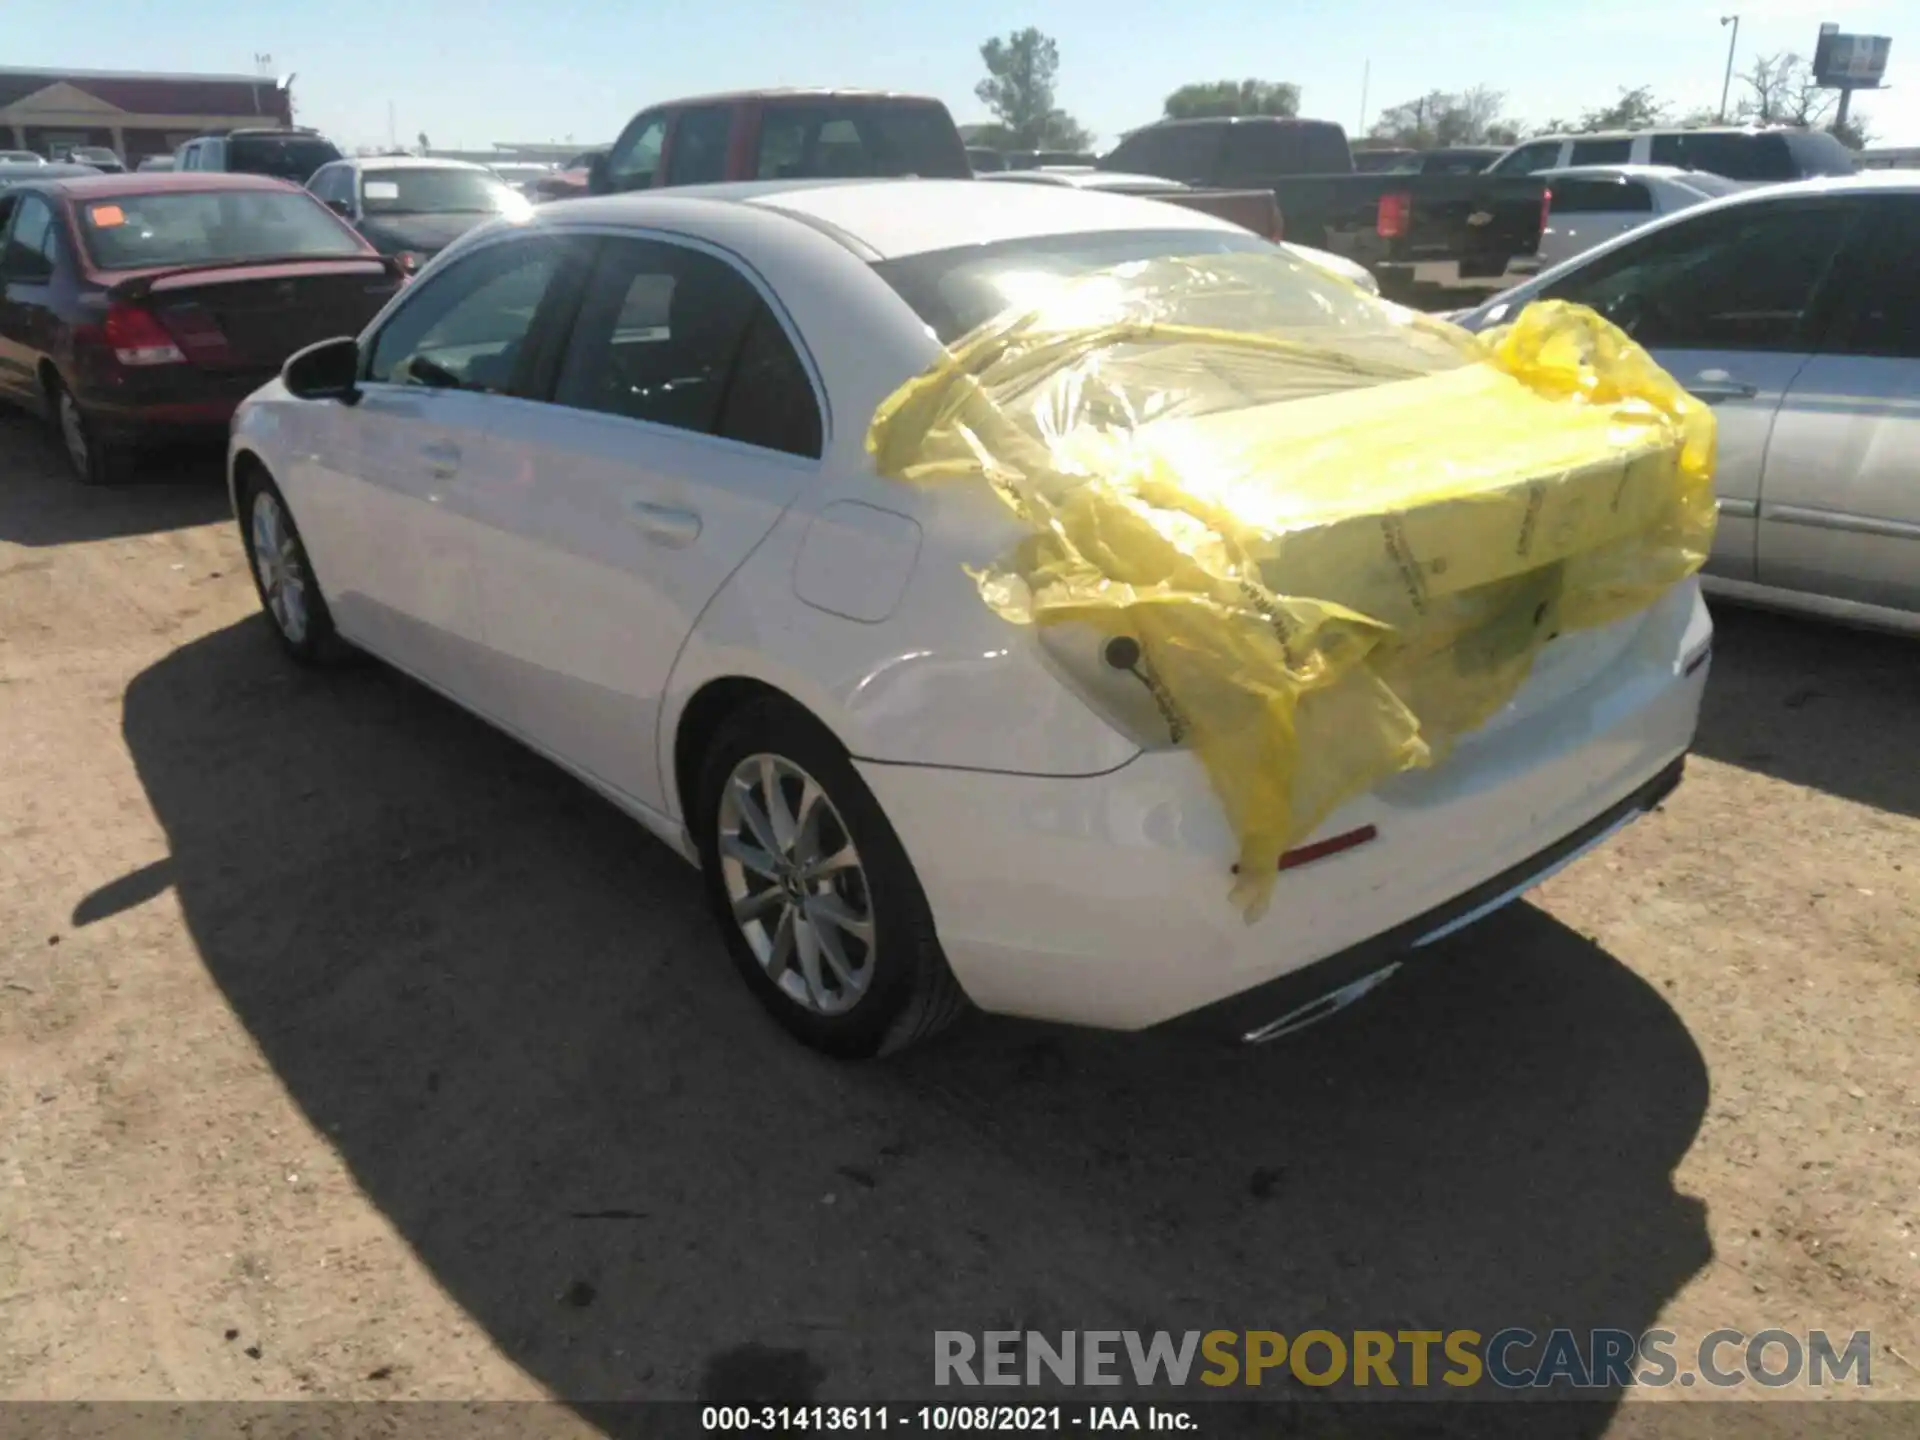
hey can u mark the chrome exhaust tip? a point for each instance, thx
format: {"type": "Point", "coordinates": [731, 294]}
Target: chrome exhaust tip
{"type": "Point", "coordinates": [1322, 1008]}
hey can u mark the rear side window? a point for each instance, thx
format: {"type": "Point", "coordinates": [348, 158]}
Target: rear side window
{"type": "Point", "coordinates": [1285, 147]}
{"type": "Point", "coordinates": [30, 248]}
{"type": "Point", "coordinates": [678, 337]}
{"type": "Point", "coordinates": [285, 157]}
{"type": "Point", "coordinates": [799, 142]}
{"type": "Point", "coordinates": [1173, 152]}
{"type": "Point", "coordinates": [1884, 314]}
{"type": "Point", "coordinates": [1737, 157]}
{"type": "Point", "coordinates": [1601, 152]}
{"type": "Point", "coordinates": [1581, 196]}
{"type": "Point", "coordinates": [186, 227]}
{"type": "Point", "coordinates": [699, 153]}
{"type": "Point", "coordinates": [1817, 153]}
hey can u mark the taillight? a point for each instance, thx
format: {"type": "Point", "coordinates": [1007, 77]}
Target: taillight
{"type": "Point", "coordinates": [1395, 208]}
{"type": "Point", "coordinates": [1546, 206]}
{"type": "Point", "coordinates": [137, 337]}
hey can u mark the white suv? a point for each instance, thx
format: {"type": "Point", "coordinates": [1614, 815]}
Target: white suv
{"type": "Point", "coordinates": [1738, 154]}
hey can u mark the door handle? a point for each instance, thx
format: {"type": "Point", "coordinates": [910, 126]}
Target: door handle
{"type": "Point", "coordinates": [1714, 391]}
{"type": "Point", "coordinates": [664, 525]}
{"type": "Point", "coordinates": [443, 458]}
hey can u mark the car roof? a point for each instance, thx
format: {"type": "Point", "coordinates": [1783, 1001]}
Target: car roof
{"type": "Point", "coordinates": [1624, 170]}
{"type": "Point", "coordinates": [407, 162]}
{"type": "Point", "coordinates": [892, 218]}
{"type": "Point", "coordinates": [55, 171]}
{"type": "Point", "coordinates": [1750, 130]}
{"type": "Point", "coordinates": [165, 182]}
{"type": "Point", "coordinates": [792, 92]}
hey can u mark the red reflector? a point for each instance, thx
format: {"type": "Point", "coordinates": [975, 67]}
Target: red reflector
{"type": "Point", "coordinates": [1546, 205]}
{"type": "Point", "coordinates": [1391, 219]}
{"type": "Point", "coordinates": [138, 338]}
{"type": "Point", "coordinates": [1320, 849]}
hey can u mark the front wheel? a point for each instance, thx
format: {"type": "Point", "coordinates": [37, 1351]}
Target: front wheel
{"type": "Point", "coordinates": [821, 910]}
{"type": "Point", "coordinates": [282, 574]}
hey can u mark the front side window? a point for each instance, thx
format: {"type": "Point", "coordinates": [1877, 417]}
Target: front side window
{"type": "Point", "coordinates": [30, 246]}
{"type": "Point", "coordinates": [678, 337]}
{"type": "Point", "coordinates": [467, 328]}
{"type": "Point", "coordinates": [700, 139]}
{"type": "Point", "coordinates": [636, 155]}
{"type": "Point", "coordinates": [187, 227]}
{"type": "Point", "coordinates": [1741, 279]}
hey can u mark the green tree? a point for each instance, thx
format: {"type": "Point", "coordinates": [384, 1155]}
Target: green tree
{"type": "Point", "coordinates": [1445, 117]}
{"type": "Point", "coordinates": [1233, 97]}
{"type": "Point", "coordinates": [1635, 109]}
{"type": "Point", "coordinates": [1021, 69]}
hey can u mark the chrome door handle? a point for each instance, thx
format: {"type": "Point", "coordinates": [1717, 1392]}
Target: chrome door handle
{"type": "Point", "coordinates": [443, 458]}
{"type": "Point", "coordinates": [664, 525]}
{"type": "Point", "coordinates": [1713, 391]}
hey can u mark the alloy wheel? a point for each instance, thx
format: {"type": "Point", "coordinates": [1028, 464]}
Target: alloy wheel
{"type": "Point", "coordinates": [276, 560]}
{"type": "Point", "coordinates": [796, 884]}
{"type": "Point", "coordinates": [73, 431]}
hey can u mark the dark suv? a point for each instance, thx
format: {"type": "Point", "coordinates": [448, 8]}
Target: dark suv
{"type": "Point", "coordinates": [284, 154]}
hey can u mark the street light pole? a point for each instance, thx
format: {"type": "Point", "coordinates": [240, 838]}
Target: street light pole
{"type": "Point", "coordinates": [1732, 41]}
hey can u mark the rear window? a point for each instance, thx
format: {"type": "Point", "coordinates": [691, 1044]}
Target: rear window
{"type": "Point", "coordinates": [1596, 196]}
{"type": "Point", "coordinates": [954, 291]}
{"type": "Point", "coordinates": [130, 232]}
{"type": "Point", "coordinates": [285, 157]}
{"type": "Point", "coordinates": [434, 192]}
{"type": "Point", "coordinates": [804, 142]}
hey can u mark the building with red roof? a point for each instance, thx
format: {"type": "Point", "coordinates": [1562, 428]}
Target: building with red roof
{"type": "Point", "coordinates": [135, 114]}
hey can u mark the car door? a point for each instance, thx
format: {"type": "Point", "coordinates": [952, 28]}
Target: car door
{"type": "Point", "coordinates": [1729, 302]}
{"type": "Point", "coordinates": [383, 494]}
{"type": "Point", "coordinates": [683, 423]}
{"type": "Point", "coordinates": [29, 255]}
{"type": "Point", "coordinates": [1840, 504]}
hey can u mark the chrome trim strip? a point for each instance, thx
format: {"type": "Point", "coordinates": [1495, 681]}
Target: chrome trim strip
{"type": "Point", "coordinates": [1840, 520]}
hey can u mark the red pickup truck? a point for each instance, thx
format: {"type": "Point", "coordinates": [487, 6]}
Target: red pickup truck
{"type": "Point", "coordinates": [783, 135]}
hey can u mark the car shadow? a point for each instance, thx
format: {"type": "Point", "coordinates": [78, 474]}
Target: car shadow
{"type": "Point", "coordinates": [506, 1008]}
{"type": "Point", "coordinates": [41, 503]}
{"type": "Point", "coordinates": [1815, 704]}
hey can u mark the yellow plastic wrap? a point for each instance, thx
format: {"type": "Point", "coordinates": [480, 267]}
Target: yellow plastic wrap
{"type": "Point", "coordinates": [1339, 531]}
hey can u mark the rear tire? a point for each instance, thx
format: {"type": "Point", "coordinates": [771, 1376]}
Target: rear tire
{"type": "Point", "coordinates": [283, 576]}
{"type": "Point", "coordinates": [812, 890]}
{"type": "Point", "coordinates": [93, 460]}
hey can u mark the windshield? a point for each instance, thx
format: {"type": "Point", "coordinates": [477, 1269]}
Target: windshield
{"type": "Point", "coordinates": [955, 291]}
{"type": "Point", "coordinates": [285, 157]}
{"type": "Point", "coordinates": [433, 192]}
{"type": "Point", "coordinates": [131, 232]}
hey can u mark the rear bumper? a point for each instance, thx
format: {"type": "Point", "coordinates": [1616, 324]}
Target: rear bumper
{"type": "Point", "coordinates": [1103, 900]}
{"type": "Point", "coordinates": [168, 403]}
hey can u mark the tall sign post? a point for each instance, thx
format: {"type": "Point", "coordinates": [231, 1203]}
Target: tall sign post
{"type": "Point", "coordinates": [1848, 63]}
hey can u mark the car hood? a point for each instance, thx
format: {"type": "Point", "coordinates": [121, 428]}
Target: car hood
{"type": "Point", "coordinates": [428, 234]}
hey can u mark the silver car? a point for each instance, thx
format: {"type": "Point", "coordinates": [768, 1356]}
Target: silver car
{"type": "Point", "coordinates": [1795, 311]}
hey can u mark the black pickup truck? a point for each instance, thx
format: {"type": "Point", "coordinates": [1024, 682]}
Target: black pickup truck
{"type": "Point", "coordinates": [1408, 229]}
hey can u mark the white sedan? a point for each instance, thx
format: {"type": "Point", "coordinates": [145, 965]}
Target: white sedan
{"type": "Point", "coordinates": [1587, 205]}
{"type": "Point", "coordinates": [600, 477]}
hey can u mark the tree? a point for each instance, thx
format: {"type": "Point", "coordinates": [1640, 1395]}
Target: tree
{"type": "Point", "coordinates": [1021, 69]}
{"type": "Point", "coordinates": [1780, 91]}
{"type": "Point", "coordinates": [1636, 109]}
{"type": "Point", "coordinates": [1233, 97]}
{"type": "Point", "coordinates": [1443, 117]}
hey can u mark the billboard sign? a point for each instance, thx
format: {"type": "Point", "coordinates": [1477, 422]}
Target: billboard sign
{"type": "Point", "coordinates": [1849, 62]}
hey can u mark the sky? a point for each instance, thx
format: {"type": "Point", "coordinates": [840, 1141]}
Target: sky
{"type": "Point", "coordinates": [474, 73]}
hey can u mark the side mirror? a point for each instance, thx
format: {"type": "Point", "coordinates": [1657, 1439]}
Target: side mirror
{"type": "Point", "coordinates": [329, 370]}
{"type": "Point", "coordinates": [597, 181]}
{"type": "Point", "coordinates": [341, 208]}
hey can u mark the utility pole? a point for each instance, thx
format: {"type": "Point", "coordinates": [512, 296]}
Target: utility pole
{"type": "Point", "coordinates": [1366, 74]}
{"type": "Point", "coordinates": [1733, 40]}
{"type": "Point", "coordinates": [393, 130]}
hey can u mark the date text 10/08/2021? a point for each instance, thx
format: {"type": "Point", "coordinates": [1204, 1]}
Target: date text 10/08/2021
{"type": "Point", "coordinates": [1036, 1419]}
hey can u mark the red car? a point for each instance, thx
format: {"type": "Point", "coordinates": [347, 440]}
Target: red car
{"type": "Point", "coordinates": [137, 309]}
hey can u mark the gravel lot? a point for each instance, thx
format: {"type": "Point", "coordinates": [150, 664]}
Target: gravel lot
{"type": "Point", "coordinates": [349, 1050]}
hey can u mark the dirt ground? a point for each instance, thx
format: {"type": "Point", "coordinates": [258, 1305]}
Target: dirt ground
{"type": "Point", "coordinates": [349, 1050]}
